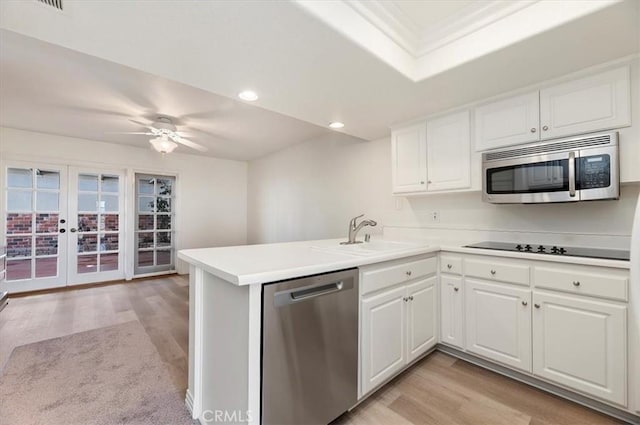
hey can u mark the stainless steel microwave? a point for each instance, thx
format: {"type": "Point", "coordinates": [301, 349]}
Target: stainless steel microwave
{"type": "Point", "coordinates": [564, 170]}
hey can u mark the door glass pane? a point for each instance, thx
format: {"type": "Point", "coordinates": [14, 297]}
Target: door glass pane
{"type": "Point", "coordinates": [164, 222]}
{"type": "Point", "coordinates": [87, 263]}
{"type": "Point", "coordinates": [18, 246]}
{"type": "Point", "coordinates": [163, 204]}
{"type": "Point", "coordinates": [47, 201]}
{"type": "Point", "coordinates": [146, 186]}
{"type": "Point", "coordinates": [109, 183]}
{"type": "Point", "coordinates": [47, 223]}
{"type": "Point", "coordinates": [109, 203]}
{"type": "Point", "coordinates": [87, 182]}
{"type": "Point", "coordinates": [549, 176]}
{"type": "Point", "coordinates": [145, 240]}
{"type": "Point", "coordinates": [109, 222]}
{"type": "Point", "coordinates": [46, 267]}
{"type": "Point", "coordinates": [19, 177]}
{"type": "Point", "coordinates": [145, 222]}
{"type": "Point", "coordinates": [88, 202]}
{"type": "Point", "coordinates": [108, 262]}
{"type": "Point", "coordinates": [145, 258]}
{"type": "Point", "coordinates": [19, 200]}
{"type": "Point", "coordinates": [18, 269]}
{"type": "Point", "coordinates": [18, 223]}
{"type": "Point", "coordinates": [145, 204]}
{"type": "Point", "coordinates": [164, 257]}
{"type": "Point", "coordinates": [47, 179]}
{"type": "Point", "coordinates": [87, 222]}
{"type": "Point", "coordinates": [46, 245]}
{"type": "Point", "coordinates": [109, 242]}
{"type": "Point", "coordinates": [87, 243]}
{"type": "Point", "coordinates": [165, 187]}
{"type": "Point", "coordinates": [163, 239]}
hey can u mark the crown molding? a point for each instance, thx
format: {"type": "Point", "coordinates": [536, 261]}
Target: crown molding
{"type": "Point", "coordinates": [478, 29]}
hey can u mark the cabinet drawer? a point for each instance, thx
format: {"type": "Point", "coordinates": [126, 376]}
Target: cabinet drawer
{"type": "Point", "coordinates": [450, 264]}
{"type": "Point", "coordinates": [595, 282]}
{"type": "Point", "coordinates": [499, 271]}
{"type": "Point", "coordinates": [385, 275]}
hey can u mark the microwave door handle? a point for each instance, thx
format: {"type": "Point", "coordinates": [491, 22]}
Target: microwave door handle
{"type": "Point", "coordinates": [572, 174]}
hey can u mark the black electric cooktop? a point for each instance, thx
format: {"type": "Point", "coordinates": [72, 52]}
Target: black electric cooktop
{"type": "Point", "coordinates": [569, 251]}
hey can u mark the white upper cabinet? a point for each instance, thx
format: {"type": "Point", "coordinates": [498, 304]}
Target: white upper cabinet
{"type": "Point", "coordinates": [594, 103]}
{"type": "Point", "coordinates": [449, 152]}
{"type": "Point", "coordinates": [597, 102]}
{"type": "Point", "coordinates": [507, 122]}
{"type": "Point", "coordinates": [409, 159]}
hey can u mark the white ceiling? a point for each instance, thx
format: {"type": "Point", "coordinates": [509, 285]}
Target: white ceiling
{"type": "Point", "coordinates": [51, 89]}
{"type": "Point", "coordinates": [301, 66]}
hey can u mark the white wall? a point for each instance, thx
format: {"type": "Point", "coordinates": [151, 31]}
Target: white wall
{"type": "Point", "coordinates": [312, 189]}
{"type": "Point", "coordinates": [211, 193]}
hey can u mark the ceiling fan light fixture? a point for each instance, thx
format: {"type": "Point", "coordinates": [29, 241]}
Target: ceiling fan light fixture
{"type": "Point", "coordinates": [163, 145]}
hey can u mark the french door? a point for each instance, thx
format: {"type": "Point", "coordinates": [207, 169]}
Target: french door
{"type": "Point", "coordinates": [61, 225]}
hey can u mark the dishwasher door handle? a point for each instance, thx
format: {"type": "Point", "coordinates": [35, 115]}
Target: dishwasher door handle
{"type": "Point", "coordinates": [305, 293]}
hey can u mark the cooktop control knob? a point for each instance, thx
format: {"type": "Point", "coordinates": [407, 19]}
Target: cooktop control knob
{"type": "Point", "coordinates": [541, 248]}
{"type": "Point", "coordinates": [527, 248]}
{"type": "Point", "coordinates": [562, 251]}
{"type": "Point", "coordinates": [555, 250]}
{"type": "Point", "coordinates": [519, 247]}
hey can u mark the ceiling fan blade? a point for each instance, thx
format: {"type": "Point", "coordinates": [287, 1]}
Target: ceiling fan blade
{"type": "Point", "coordinates": [141, 123]}
{"type": "Point", "coordinates": [191, 144]}
{"type": "Point", "coordinates": [130, 132]}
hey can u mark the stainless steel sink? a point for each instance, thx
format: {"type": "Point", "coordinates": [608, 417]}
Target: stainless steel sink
{"type": "Point", "coordinates": [367, 248]}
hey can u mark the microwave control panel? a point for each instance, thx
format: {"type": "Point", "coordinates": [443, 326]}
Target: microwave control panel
{"type": "Point", "coordinates": [594, 172]}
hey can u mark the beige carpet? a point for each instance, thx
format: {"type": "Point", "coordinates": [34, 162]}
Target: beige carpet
{"type": "Point", "coordinates": [105, 376]}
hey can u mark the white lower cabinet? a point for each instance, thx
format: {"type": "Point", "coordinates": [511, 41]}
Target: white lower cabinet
{"type": "Point", "coordinates": [582, 344]}
{"type": "Point", "coordinates": [498, 322]}
{"type": "Point", "coordinates": [452, 311]}
{"type": "Point", "coordinates": [398, 325]}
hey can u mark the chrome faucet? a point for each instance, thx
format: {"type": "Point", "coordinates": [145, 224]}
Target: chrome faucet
{"type": "Point", "coordinates": [354, 229]}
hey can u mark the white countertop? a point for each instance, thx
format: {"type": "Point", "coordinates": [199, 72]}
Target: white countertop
{"type": "Point", "coordinates": [258, 264]}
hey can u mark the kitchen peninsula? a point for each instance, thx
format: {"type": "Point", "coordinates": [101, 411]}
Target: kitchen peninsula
{"type": "Point", "coordinates": [226, 317]}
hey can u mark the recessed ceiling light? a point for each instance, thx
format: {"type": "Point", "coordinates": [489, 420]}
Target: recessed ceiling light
{"type": "Point", "coordinates": [248, 95]}
{"type": "Point", "coordinates": [336, 124]}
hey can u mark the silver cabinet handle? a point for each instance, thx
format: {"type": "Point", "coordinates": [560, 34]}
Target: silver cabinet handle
{"type": "Point", "coordinates": [533, 130]}
{"type": "Point", "coordinates": [73, 230]}
{"type": "Point", "coordinates": [536, 305]}
{"type": "Point", "coordinates": [411, 298]}
{"type": "Point", "coordinates": [545, 128]}
{"type": "Point", "coordinates": [449, 266]}
{"type": "Point", "coordinates": [524, 303]}
{"type": "Point", "coordinates": [576, 283]}
{"type": "Point", "coordinates": [429, 181]}
{"type": "Point", "coordinates": [493, 272]}
{"type": "Point", "coordinates": [406, 299]}
{"type": "Point", "coordinates": [422, 182]}
{"type": "Point", "coordinates": [456, 289]}
{"type": "Point", "coordinates": [409, 273]}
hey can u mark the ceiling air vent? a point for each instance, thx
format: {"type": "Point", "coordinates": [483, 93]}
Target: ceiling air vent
{"type": "Point", "coordinates": [53, 3]}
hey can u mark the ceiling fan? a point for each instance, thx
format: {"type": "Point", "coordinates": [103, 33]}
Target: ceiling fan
{"type": "Point", "coordinates": [166, 135]}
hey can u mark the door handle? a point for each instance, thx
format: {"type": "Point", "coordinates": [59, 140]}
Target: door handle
{"type": "Point", "coordinates": [572, 174]}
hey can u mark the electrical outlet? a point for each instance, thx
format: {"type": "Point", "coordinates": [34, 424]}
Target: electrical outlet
{"type": "Point", "coordinates": [435, 216]}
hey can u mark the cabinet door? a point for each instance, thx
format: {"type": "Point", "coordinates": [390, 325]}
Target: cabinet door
{"type": "Point", "coordinates": [594, 103]}
{"type": "Point", "coordinates": [507, 122]}
{"type": "Point", "coordinates": [409, 159]}
{"type": "Point", "coordinates": [383, 337]}
{"type": "Point", "coordinates": [421, 317]}
{"type": "Point", "coordinates": [449, 152]}
{"type": "Point", "coordinates": [498, 323]}
{"type": "Point", "coordinates": [581, 344]}
{"type": "Point", "coordinates": [451, 311]}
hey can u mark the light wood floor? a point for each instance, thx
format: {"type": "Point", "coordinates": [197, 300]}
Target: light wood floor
{"type": "Point", "coordinates": [438, 390]}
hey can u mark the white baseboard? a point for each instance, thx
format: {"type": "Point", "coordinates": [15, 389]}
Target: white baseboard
{"type": "Point", "coordinates": [188, 400]}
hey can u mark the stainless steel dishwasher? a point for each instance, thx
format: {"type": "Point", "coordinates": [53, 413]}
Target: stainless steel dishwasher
{"type": "Point", "coordinates": [310, 348]}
